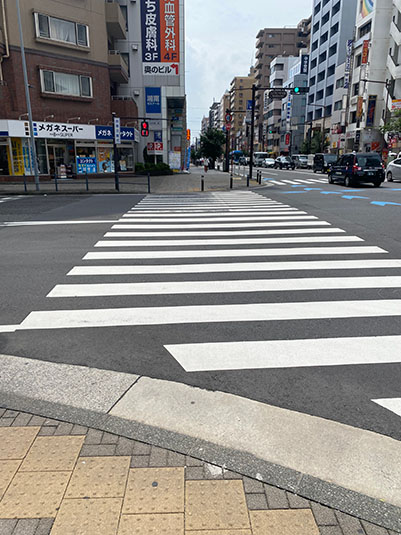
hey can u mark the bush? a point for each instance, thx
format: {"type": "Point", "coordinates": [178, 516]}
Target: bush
{"type": "Point", "coordinates": [153, 169]}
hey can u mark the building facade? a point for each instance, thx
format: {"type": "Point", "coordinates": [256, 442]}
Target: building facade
{"type": "Point", "coordinates": [71, 71]}
{"type": "Point", "coordinates": [240, 94]}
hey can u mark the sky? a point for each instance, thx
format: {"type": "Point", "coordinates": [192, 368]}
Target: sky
{"type": "Point", "coordinates": [220, 44]}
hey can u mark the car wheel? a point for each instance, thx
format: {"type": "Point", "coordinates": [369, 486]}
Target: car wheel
{"type": "Point", "coordinates": [389, 176]}
{"type": "Point", "coordinates": [331, 181]}
{"type": "Point", "coordinates": [315, 171]}
{"type": "Point", "coordinates": [348, 182]}
{"type": "Point", "coordinates": [377, 183]}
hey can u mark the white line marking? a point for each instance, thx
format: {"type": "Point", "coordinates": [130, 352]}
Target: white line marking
{"type": "Point", "coordinates": [115, 317]}
{"type": "Point", "coordinates": [258, 224]}
{"type": "Point", "coordinates": [234, 242]}
{"type": "Point", "coordinates": [216, 287]}
{"type": "Point", "coordinates": [228, 253]}
{"type": "Point", "coordinates": [8, 328]}
{"type": "Point", "coordinates": [391, 404]}
{"type": "Point", "coordinates": [238, 267]}
{"type": "Point", "coordinates": [272, 211]}
{"type": "Point", "coordinates": [41, 223]}
{"type": "Point", "coordinates": [287, 354]}
{"type": "Point", "coordinates": [291, 215]}
{"type": "Point", "coordinates": [228, 233]}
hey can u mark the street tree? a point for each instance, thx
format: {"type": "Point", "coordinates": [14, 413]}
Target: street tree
{"type": "Point", "coordinates": [212, 142]}
{"type": "Point", "coordinates": [393, 125]}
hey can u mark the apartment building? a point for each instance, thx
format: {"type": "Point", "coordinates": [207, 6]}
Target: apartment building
{"type": "Point", "coordinates": [333, 23]}
{"type": "Point", "coordinates": [240, 94]}
{"type": "Point", "coordinates": [273, 42]}
{"type": "Point", "coordinates": [225, 103]}
{"type": "Point", "coordinates": [214, 115]}
{"type": "Point", "coordinates": [373, 86]}
{"type": "Point", "coordinates": [155, 52]}
{"type": "Point", "coordinates": [72, 69]}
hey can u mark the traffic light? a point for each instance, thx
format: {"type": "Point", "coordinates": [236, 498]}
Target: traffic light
{"type": "Point", "coordinates": [145, 129]}
{"type": "Point", "coordinates": [299, 90]}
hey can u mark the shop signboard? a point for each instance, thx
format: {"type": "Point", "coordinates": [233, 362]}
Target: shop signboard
{"type": "Point", "coordinates": [160, 21]}
{"type": "Point", "coordinates": [175, 160]}
{"type": "Point", "coordinates": [153, 100]}
{"type": "Point", "coordinates": [86, 166]}
{"type": "Point", "coordinates": [396, 105]}
{"type": "Point", "coordinates": [106, 133]}
{"type": "Point", "coordinates": [348, 64]}
{"type": "Point", "coordinates": [158, 135]}
{"type": "Point", "coordinates": [155, 148]}
{"type": "Point", "coordinates": [64, 131]}
{"type": "Point", "coordinates": [365, 52]}
{"type": "Point", "coordinates": [3, 129]}
{"type": "Point", "coordinates": [305, 64]}
{"type": "Point", "coordinates": [117, 130]}
{"type": "Point", "coordinates": [105, 160]}
{"type": "Point", "coordinates": [370, 115]}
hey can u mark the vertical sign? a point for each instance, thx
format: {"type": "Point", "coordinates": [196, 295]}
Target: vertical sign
{"type": "Point", "coordinates": [117, 130]}
{"type": "Point", "coordinates": [153, 100]}
{"type": "Point", "coordinates": [348, 61]}
{"type": "Point", "coordinates": [160, 37]}
{"type": "Point", "coordinates": [365, 52]}
{"type": "Point", "coordinates": [305, 64]}
{"type": "Point", "coordinates": [370, 114]}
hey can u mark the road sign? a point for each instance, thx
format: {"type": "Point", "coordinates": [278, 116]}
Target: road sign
{"type": "Point", "coordinates": [228, 126]}
{"type": "Point", "coordinates": [277, 94]}
{"type": "Point", "coordinates": [117, 130]}
{"type": "Point", "coordinates": [229, 118]}
{"type": "Point", "coordinates": [287, 139]}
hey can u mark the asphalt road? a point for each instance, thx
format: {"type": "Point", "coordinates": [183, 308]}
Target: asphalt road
{"type": "Point", "coordinates": [35, 260]}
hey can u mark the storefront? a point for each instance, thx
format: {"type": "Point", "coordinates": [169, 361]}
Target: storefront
{"type": "Point", "coordinates": [65, 150]}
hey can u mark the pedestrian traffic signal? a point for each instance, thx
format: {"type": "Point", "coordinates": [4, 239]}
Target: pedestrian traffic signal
{"type": "Point", "coordinates": [299, 90]}
{"type": "Point", "coordinates": [145, 129]}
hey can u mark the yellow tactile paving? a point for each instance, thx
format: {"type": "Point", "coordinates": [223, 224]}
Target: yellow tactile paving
{"type": "Point", "coordinates": [88, 517]}
{"type": "Point", "coordinates": [34, 495]}
{"type": "Point", "coordinates": [288, 522]}
{"type": "Point", "coordinates": [99, 477]}
{"type": "Point", "coordinates": [222, 532]}
{"type": "Point", "coordinates": [161, 524]}
{"type": "Point", "coordinates": [7, 472]}
{"type": "Point", "coordinates": [155, 490]}
{"type": "Point", "coordinates": [16, 441]}
{"type": "Point", "coordinates": [51, 454]}
{"type": "Point", "coordinates": [215, 505]}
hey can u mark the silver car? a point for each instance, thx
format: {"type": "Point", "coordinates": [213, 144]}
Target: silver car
{"type": "Point", "coordinates": [268, 162]}
{"type": "Point", "coordinates": [393, 171]}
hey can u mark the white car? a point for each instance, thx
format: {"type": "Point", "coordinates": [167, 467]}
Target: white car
{"type": "Point", "coordinates": [268, 162]}
{"type": "Point", "coordinates": [393, 171]}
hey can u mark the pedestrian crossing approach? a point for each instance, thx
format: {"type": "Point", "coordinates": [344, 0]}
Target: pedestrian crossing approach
{"type": "Point", "coordinates": [8, 199]}
{"type": "Point", "coordinates": [295, 182]}
{"type": "Point", "coordinates": [238, 258]}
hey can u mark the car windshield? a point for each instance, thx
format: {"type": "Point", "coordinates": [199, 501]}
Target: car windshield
{"type": "Point", "coordinates": [330, 158]}
{"type": "Point", "coordinates": [303, 158]}
{"type": "Point", "coordinates": [370, 160]}
{"type": "Point", "coordinates": [286, 158]}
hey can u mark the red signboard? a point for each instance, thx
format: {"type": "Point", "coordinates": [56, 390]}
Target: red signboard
{"type": "Point", "coordinates": [365, 52]}
{"type": "Point", "coordinates": [155, 148]}
{"type": "Point", "coordinates": [170, 30]}
{"type": "Point", "coordinates": [287, 139]}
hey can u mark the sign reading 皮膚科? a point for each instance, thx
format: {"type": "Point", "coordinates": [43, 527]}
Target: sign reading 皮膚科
{"type": "Point", "coordinates": [160, 37]}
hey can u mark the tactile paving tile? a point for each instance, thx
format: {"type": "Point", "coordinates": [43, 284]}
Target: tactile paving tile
{"type": "Point", "coordinates": [51, 454]}
{"type": "Point", "coordinates": [160, 524]}
{"type": "Point", "coordinates": [154, 490]}
{"type": "Point", "coordinates": [16, 441]}
{"type": "Point", "coordinates": [215, 505]}
{"type": "Point", "coordinates": [34, 495]}
{"type": "Point", "coordinates": [8, 470]}
{"type": "Point", "coordinates": [288, 522]}
{"type": "Point", "coordinates": [99, 477]}
{"type": "Point", "coordinates": [88, 517]}
{"type": "Point", "coordinates": [222, 532]}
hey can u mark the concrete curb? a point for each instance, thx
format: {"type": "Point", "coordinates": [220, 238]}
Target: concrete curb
{"type": "Point", "coordinates": [120, 404]}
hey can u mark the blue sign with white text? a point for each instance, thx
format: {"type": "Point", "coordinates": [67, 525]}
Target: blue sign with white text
{"type": "Point", "coordinates": [158, 135]}
{"type": "Point", "coordinates": [153, 100]}
{"type": "Point", "coordinates": [106, 133]}
{"type": "Point", "coordinates": [86, 165]}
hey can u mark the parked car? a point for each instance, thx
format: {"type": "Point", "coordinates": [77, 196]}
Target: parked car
{"type": "Point", "coordinates": [269, 162]}
{"type": "Point", "coordinates": [356, 168]}
{"type": "Point", "coordinates": [284, 162]}
{"type": "Point", "coordinates": [300, 160]}
{"type": "Point", "coordinates": [323, 162]}
{"type": "Point", "coordinates": [242, 160]}
{"type": "Point", "coordinates": [393, 171]}
{"type": "Point", "coordinates": [259, 157]}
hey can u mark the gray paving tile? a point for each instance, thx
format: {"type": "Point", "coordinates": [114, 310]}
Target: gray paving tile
{"type": "Point", "coordinates": [45, 526]}
{"type": "Point", "coordinates": [349, 524]}
{"type": "Point", "coordinates": [109, 438]}
{"type": "Point", "coordinates": [175, 459]}
{"type": "Point", "coordinates": [276, 498]}
{"type": "Point", "coordinates": [22, 420]}
{"type": "Point", "coordinates": [26, 526]}
{"type": "Point", "coordinates": [323, 515]}
{"type": "Point", "coordinates": [256, 501]}
{"type": "Point", "coordinates": [36, 420]}
{"type": "Point", "coordinates": [7, 526]}
{"type": "Point", "coordinates": [94, 437]}
{"type": "Point", "coordinates": [79, 430]}
{"type": "Point", "coordinates": [296, 502]}
{"type": "Point", "coordinates": [190, 461]}
{"type": "Point", "coordinates": [47, 431]}
{"type": "Point", "coordinates": [371, 529]}
{"type": "Point", "coordinates": [252, 485]}
{"type": "Point", "coordinates": [63, 429]}
{"type": "Point", "coordinates": [330, 530]}
{"type": "Point", "coordinates": [158, 457]}
{"type": "Point", "coordinates": [194, 472]}
{"type": "Point", "coordinates": [141, 449]}
{"type": "Point", "coordinates": [125, 446]}
{"type": "Point", "coordinates": [97, 450]}
{"type": "Point", "coordinates": [140, 461]}
{"type": "Point", "coordinates": [6, 422]}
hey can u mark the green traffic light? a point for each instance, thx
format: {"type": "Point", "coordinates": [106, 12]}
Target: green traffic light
{"type": "Point", "coordinates": [296, 89]}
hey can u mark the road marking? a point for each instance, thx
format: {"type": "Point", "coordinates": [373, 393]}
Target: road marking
{"type": "Point", "coordinates": [119, 317]}
{"type": "Point", "coordinates": [272, 211]}
{"type": "Point", "coordinates": [240, 267]}
{"type": "Point", "coordinates": [228, 253]}
{"type": "Point", "coordinates": [41, 223]}
{"type": "Point", "coordinates": [289, 216]}
{"type": "Point", "coordinates": [391, 404]}
{"type": "Point", "coordinates": [229, 233]}
{"type": "Point", "coordinates": [287, 353]}
{"type": "Point", "coordinates": [8, 328]}
{"type": "Point", "coordinates": [221, 286]}
{"type": "Point", "coordinates": [259, 224]}
{"type": "Point", "coordinates": [234, 242]}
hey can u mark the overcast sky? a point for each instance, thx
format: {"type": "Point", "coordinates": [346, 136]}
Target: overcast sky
{"type": "Point", "coordinates": [220, 44]}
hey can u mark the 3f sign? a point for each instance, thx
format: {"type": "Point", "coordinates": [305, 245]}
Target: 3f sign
{"type": "Point", "coordinates": [151, 56]}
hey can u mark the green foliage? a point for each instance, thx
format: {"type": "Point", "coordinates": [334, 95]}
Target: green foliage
{"type": "Point", "coordinates": [153, 169]}
{"type": "Point", "coordinates": [305, 147]}
{"type": "Point", "coordinates": [195, 154]}
{"type": "Point", "coordinates": [393, 125]}
{"type": "Point", "coordinates": [316, 143]}
{"type": "Point", "coordinates": [212, 143]}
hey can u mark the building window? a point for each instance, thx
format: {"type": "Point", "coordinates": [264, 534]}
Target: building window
{"type": "Point", "coordinates": [355, 90]}
{"type": "Point", "coordinates": [340, 83]}
{"type": "Point", "coordinates": [358, 60]}
{"type": "Point", "coordinates": [363, 30]}
{"type": "Point", "coordinates": [72, 85]}
{"type": "Point", "coordinates": [61, 30]}
{"type": "Point", "coordinates": [338, 105]}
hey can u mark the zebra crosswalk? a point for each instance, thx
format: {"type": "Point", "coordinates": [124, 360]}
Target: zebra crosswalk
{"type": "Point", "coordinates": [293, 182]}
{"type": "Point", "coordinates": [237, 258]}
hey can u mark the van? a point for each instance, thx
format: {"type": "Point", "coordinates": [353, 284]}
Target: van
{"type": "Point", "coordinates": [322, 162]}
{"type": "Point", "coordinates": [259, 158]}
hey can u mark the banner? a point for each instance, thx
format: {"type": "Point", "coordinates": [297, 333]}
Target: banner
{"type": "Point", "coordinates": [365, 52]}
{"type": "Point", "coordinates": [160, 36]}
{"type": "Point", "coordinates": [359, 108]}
{"type": "Point", "coordinates": [370, 115]}
{"type": "Point", "coordinates": [348, 62]}
{"type": "Point", "coordinates": [367, 7]}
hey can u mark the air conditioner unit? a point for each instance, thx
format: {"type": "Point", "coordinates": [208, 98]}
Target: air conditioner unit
{"type": "Point", "coordinates": [136, 93]}
{"type": "Point", "coordinates": [134, 47]}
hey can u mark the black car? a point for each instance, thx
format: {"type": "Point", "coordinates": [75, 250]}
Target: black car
{"type": "Point", "coordinates": [284, 162]}
{"type": "Point", "coordinates": [323, 162]}
{"type": "Point", "coordinates": [356, 168]}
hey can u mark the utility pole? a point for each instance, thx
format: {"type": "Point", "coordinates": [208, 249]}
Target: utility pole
{"type": "Point", "coordinates": [227, 151]}
{"type": "Point", "coordinates": [28, 100]}
{"type": "Point", "coordinates": [252, 131]}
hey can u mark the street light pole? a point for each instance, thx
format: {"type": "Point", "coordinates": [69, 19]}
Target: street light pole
{"type": "Point", "coordinates": [252, 133]}
{"type": "Point", "coordinates": [28, 100]}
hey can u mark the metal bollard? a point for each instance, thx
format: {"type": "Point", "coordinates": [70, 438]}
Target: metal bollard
{"type": "Point", "coordinates": [231, 181]}
{"type": "Point", "coordinates": [55, 181]}
{"type": "Point", "coordinates": [25, 188]}
{"type": "Point", "coordinates": [202, 184]}
{"type": "Point", "coordinates": [247, 181]}
{"type": "Point", "coordinates": [148, 182]}
{"type": "Point", "coordinates": [87, 182]}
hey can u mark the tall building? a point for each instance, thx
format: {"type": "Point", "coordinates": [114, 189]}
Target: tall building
{"type": "Point", "coordinates": [72, 70]}
{"type": "Point", "coordinates": [333, 23]}
{"type": "Point", "coordinates": [273, 42]}
{"type": "Point", "coordinates": [240, 94]}
{"type": "Point", "coordinates": [225, 103]}
{"type": "Point", "coordinates": [204, 124]}
{"type": "Point", "coordinates": [214, 115]}
{"type": "Point", "coordinates": [155, 52]}
{"type": "Point", "coordinates": [376, 58]}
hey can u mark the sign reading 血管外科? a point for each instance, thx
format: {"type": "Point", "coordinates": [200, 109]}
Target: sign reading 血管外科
{"type": "Point", "coordinates": [160, 37]}
{"type": "Point", "coordinates": [153, 100]}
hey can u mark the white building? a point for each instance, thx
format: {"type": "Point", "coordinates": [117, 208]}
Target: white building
{"type": "Point", "coordinates": [155, 52]}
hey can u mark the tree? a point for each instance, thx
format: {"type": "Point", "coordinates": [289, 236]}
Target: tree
{"type": "Point", "coordinates": [212, 143]}
{"type": "Point", "coordinates": [393, 125]}
{"type": "Point", "coordinates": [316, 143]}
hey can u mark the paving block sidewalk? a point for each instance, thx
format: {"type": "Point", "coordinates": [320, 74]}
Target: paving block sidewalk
{"type": "Point", "coordinates": [63, 479]}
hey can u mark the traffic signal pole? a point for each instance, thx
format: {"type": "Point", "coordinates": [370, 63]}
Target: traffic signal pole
{"type": "Point", "coordinates": [252, 135]}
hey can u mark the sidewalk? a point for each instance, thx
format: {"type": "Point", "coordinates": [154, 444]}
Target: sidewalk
{"type": "Point", "coordinates": [63, 479]}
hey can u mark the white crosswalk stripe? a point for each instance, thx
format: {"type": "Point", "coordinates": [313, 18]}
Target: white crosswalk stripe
{"type": "Point", "coordinates": [268, 261]}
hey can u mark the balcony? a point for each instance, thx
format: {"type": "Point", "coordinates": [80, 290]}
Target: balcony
{"type": "Point", "coordinates": [395, 32]}
{"type": "Point", "coordinates": [394, 68]}
{"type": "Point", "coordinates": [260, 42]}
{"type": "Point", "coordinates": [116, 25]}
{"type": "Point", "coordinates": [259, 53]}
{"type": "Point", "coordinates": [118, 68]}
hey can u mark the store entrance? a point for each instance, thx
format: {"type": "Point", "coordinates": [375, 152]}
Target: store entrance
{"type": "Point", "coordinates": [57, 160]}
{"type": "Point", "coordinates": [4, 159]}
